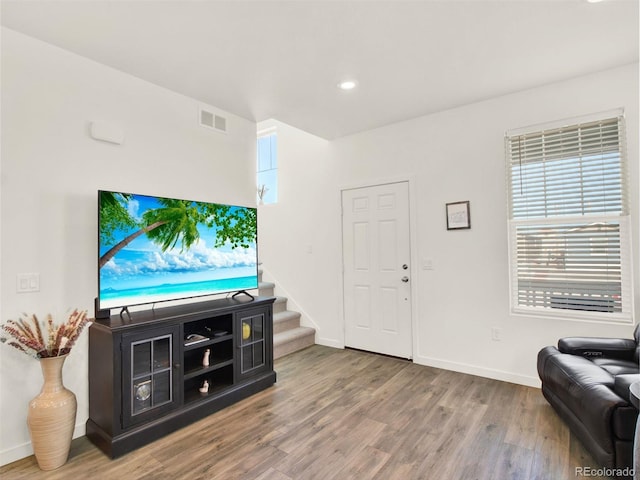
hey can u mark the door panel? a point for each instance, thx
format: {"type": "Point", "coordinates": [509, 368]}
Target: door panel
{"type": "Point", "coordinates": [362, 306]}
{"type": "Point", "coordinates": [376, 246]}
{"type": "Point", "coordinates": [388, 234]}
{"type": "Point", "coordinates": [361, 247]}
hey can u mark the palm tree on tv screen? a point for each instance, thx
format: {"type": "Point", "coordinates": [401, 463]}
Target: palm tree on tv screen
{"type": "Point", "coordinates": [175, 221]}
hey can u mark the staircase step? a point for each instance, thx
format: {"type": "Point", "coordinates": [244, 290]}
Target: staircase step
{"type": "Point", "coordinates": [265, 289]}
{"type": "Point", "coordinates": [288, 335]}
{"type": "Point", "coordinates": [291, 341]}
{"type": "Point", "coordinates": [286, 320]}
{"type": "Point", "coordinates": [280, 305]}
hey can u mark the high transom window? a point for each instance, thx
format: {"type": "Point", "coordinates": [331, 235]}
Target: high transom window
{"type": "Point", "coordinates": [267, 167]}
{"type": "Point", "coordinates": [569, 230]}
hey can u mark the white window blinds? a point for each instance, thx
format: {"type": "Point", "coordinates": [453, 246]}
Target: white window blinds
{"type": "Point", "coordinates": [569, 225]}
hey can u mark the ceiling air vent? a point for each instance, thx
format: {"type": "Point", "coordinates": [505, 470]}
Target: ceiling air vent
{"type": "Point", "coordinates": [211, 120]}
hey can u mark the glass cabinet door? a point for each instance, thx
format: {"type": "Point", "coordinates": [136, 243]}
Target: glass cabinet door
{"type": "Point", "coordinates": [151, 373]}
{"type": "Point", "coordinates": [254, 349]}
{"type": "Point", "coordinates": [148, 374]}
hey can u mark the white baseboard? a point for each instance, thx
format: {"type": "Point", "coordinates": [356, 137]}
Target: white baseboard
{"type": "Point", "coordinates": [329, 342]}
{"type": "Point", "coordinates": [25, 450]}
{"type": "Point", "coordinates": [15, 453]}
{"type": "Point", "coordinates": [495, 374]}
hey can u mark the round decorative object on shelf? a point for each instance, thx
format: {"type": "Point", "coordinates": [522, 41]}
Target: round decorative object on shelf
{"type": "Point", "coordinates": [52, 416]}
{"type": "Point", "coordinates": [143, 390]}
{"type": "Point", "coordinates": [246, 331]}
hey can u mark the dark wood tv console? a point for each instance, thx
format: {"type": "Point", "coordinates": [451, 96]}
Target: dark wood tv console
{"type": "Point", "coordinates": [146, 371]}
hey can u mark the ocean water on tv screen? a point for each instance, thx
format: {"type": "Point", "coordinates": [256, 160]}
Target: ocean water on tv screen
{"type": "Point", "coordinates": [134, 296]}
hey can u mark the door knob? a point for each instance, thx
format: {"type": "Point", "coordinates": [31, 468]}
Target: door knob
{"type": "Point", "coordinates": [405, 279]}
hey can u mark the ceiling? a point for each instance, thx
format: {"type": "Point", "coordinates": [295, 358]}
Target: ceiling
{"type": "Point", "coordinates": [283, 60]}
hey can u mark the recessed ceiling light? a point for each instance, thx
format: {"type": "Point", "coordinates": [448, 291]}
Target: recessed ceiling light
{"type": "Point", "coordinates": [594, 1]}
{"type": "Point", "coordinates": [347, 85]}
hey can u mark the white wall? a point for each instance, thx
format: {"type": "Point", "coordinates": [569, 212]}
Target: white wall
{"type": "Point", "coordinates": [450, 156]}
{"type": "Point", "coordinates": [51, 171]}
{"type": "Point", "coordinates": [293, 233]}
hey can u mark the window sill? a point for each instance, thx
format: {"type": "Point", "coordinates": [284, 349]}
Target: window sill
{"type": "Point", "coordinates": [574, 316]}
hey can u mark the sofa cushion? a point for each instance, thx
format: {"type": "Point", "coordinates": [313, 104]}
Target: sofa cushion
{"type": "Point", "coordinates": [617, 367]}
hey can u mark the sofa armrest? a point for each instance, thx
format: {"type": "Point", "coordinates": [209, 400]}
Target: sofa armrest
{"type": "Point", "coordinates": [592, 347]}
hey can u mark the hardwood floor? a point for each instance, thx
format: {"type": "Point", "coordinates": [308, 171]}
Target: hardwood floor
{"type": "Point", "coordinates": [344, 414]}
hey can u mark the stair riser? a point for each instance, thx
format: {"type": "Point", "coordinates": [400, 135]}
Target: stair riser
{"type": "Point", "coordinates": [266, 291]}
{"type": "Point", "coordinates": [288, 324]}
{"type": "Point", "coordinates": [293, 346]}
{"type": "Point", "coordinates": [279, 307]}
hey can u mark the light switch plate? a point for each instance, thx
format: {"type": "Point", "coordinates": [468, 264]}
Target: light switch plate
{"type": "Point", "coordinates": [427, 264]}
{"type": "Point", "coordinates": [28, 282]}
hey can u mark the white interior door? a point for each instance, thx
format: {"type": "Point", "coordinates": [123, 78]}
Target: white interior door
{"type": "Point", "coordinates": [376, 255]}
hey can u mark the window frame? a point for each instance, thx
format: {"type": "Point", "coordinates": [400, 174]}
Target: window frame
{"type": "Point", "coordinates": [627, 315]}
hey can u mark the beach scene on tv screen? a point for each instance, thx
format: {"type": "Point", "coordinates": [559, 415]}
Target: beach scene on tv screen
{"type": "Point", "coordinates": [156, 249]}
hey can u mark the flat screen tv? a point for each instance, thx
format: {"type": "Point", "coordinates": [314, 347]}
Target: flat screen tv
{"type": "Point", "coordinates": [156, 249]}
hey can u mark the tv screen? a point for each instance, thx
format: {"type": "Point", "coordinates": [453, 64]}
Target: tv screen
{"type": "Point", "coordinates": [156, 249]}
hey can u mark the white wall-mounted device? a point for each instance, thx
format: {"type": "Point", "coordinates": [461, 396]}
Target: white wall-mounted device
{"type": "Point", "coordinates": [106, 132]}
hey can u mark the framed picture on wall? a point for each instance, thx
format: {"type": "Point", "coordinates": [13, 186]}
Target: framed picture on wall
{"type": "Point", "coordinates": [458, 215]}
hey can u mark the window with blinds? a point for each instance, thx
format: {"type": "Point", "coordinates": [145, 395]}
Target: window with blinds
{"type": "Point", "coordinates": [569, 221]}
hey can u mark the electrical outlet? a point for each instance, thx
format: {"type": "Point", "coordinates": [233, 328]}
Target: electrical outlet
{"type": "Point", "coordinates": [496, 334]}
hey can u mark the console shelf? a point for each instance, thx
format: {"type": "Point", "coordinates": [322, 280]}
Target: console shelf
{"type": "Point", "coordinates": [192, 397]}
{"type": "Point", "coordinates": [211, 341]}
{"type": "Point", "coordinates": [216, 364]}
{"type": "Point", "coordinates": [144, 382]}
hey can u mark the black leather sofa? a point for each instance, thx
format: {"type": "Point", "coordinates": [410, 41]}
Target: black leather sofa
{"type": "Point", "coordinates": [586, 380]}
